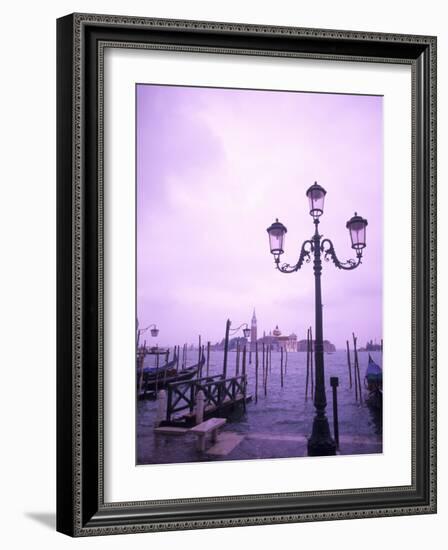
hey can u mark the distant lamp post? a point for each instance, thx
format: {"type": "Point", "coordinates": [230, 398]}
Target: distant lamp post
{"type": "Point", "coordinates": [320, 443]}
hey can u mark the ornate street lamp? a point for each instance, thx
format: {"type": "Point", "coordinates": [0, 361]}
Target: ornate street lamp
{"type": "Point", "coordinates": [320, 443]}
{"type": "Point", "coordinates": [152, 328]}
{"type": "Point", "coordinates": [316, 196]}
{"type": "Point", "coordinates": [276, 233]}
{"type": "Point", "coordinates": [357, 227]}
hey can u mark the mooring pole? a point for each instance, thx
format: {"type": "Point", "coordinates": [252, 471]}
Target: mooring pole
{"type": "Point", "coordinates": [356, 368]}
{"type": "Point", "coordinates": [256, 372]}
{"type": "Point", "coordinates": [262, 362]}
{"type": "Point", "coordinates": [208, 358]}
{"type": "Point", "coordinates": [226, 349]}
{"type": "Point", "coordinates": [349, 364]}
{"type": "Point", "coordinates": [334, 382]}
{"type": "Point", "coordinates": [307, 363]}
{"type": "Point", "coordinates": [243, 369]}
{"type": "Point", "coordinates": [237, 360]}
{"type": "Point", "coordinates": [281, 367]}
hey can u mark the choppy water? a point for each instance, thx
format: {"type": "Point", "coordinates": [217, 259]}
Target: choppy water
{"type": "Point", "coordinates": [278, 424]}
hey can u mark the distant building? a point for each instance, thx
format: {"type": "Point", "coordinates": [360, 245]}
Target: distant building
{"type": "Point", "coordinates": [302, 345]}
{"type": "Point", "coordinates": [277, 341]}
{"type": "Point", "coordinates": [372, 346]}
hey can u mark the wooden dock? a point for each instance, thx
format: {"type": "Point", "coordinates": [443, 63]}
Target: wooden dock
{"type": "Point", "coordinates": [222, 396]}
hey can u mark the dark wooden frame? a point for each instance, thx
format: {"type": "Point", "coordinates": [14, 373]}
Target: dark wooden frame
{"type": "Point", "coordinates": [81, 510]}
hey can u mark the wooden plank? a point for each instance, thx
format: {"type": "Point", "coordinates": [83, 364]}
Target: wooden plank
{"type": "Point", "coordinates": [170, 430]}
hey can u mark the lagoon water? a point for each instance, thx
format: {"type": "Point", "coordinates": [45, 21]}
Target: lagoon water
{"type": "Point", "coordinates": [277, 426]}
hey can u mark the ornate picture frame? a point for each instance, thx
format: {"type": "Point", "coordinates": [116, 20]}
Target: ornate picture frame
{"type": "Point", "coordinates": [81, 506]}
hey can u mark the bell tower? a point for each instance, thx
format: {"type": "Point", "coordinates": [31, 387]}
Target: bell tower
{"type": "Point", "coordinates": [253, 332]}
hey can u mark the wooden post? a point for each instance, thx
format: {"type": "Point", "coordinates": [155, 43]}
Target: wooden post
{"type": "Point", "coordinates": [161, 408]}
{"type": "Point", "coordinates": [202, 358]}
{"type": "Point", "coordinates": [141, 358]}
{"type": "Point", "coordinates": [157, 371]}
{"type": "Point", "coordinates": [243, 371]}
{"type": "Point", "coordinates": [141, 365]}
{"type": "Point", "coordinates": [263, 354]}
{"type": "Point", "coordinates": [199, 350]}
{"type": "Point", "coordinates": [270, 358]}
{"type": "Point", "coordinates": [286, 359]}
{"type": "Point", "coordinates": [199, 407]}
{"type": "Point", "coordinates": [281, 367]}
{"type": "Point", "coordinates": [243, 364]}
{"type": "Point", "coordinates": [334, 382]}
{"type": "Point", "coordinates": [307, 363]}
{"type": "Point", "coordinates": [226, 349]}
{"type": "Point", "coordinates": [237, 360]}
{"type": "Point", "coordinates": [250, 355]}
{"type": "Point", "coordinates": [349, 364]}
{"type": "Point", "coordinates": [266, 370]}
{"type": "Point", "coordinates": [208, 358]}
{"type": "Point", "coordinates": [356, 369]}
{"type": "Point", "coordinates": [359, 376]}
{"type": "Point", "coordinates": [164, 370]}
{"type": "Point", "coordinates": [256, 372]}
{"type": "Point", "coordinates": [355, 375]}
{"type": "Point", "coordinates": [169, 405]}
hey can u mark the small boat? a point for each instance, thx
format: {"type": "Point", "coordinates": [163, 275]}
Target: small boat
{"type": "Point", "coordinates": [153, 382]}
{"type": "Point", "coordinates": [374, 376]}
{"type": "Point", "coordinates": [155, 350]}
{"type": "Point", "coordinates": [153, 372]}
{"type": "Point", "coordinates": [374, 384]}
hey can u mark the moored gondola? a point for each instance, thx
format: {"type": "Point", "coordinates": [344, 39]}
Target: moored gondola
{"type": "Point", "coordinates": [374, 384]}
{"type": "Point", "coordinates": [156, 380]}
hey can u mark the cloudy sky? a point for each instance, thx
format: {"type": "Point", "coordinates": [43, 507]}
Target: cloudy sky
{"type": "Point", "coordinates": [215, 167]}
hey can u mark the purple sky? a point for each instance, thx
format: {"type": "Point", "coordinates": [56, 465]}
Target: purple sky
{"type": "Point", "coordinates": [215, 167]}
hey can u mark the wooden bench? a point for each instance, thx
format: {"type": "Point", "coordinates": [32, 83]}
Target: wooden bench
{"type": "Point", "coordinates": [210, 426]}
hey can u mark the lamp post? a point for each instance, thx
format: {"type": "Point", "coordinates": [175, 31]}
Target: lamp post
{"type": "Point", "coordinates": [246, 332]}
{"type": "Point", "coordinates": [320, 443]}
{"type": "Point", "coordinates": [153, 328]}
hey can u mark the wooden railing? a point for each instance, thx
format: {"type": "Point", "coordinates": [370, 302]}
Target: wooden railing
{"type": "Point", "coordinates": [217, 392]}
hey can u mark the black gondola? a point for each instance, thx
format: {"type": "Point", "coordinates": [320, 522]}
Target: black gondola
{"type": "Point", "coordinates": [154, 381]}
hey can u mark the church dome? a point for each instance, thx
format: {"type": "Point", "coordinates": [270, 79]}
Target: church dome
{"type": "Point", "coordinates": [277, 331]}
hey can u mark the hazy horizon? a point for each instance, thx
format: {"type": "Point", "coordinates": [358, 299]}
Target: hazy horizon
{"type": "Point", "coordinates": [215, 167]}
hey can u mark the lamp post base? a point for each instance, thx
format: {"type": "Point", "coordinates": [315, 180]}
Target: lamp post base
{"type": "Point", "coordinates": [321, 443]}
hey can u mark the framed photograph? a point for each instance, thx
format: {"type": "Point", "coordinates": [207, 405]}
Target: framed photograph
{"type": "Point", "coordinates": [246, 274]}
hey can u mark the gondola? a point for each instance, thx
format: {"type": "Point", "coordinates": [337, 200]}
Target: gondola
{"type": "Point", "coordinates": [153, 383]}
{"type": "Point", "coordinates": [153, 372]}
{"type": "Point", "coordinates": [374, 384]}
{"type": "Point", "coordinates": [374, 376]}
